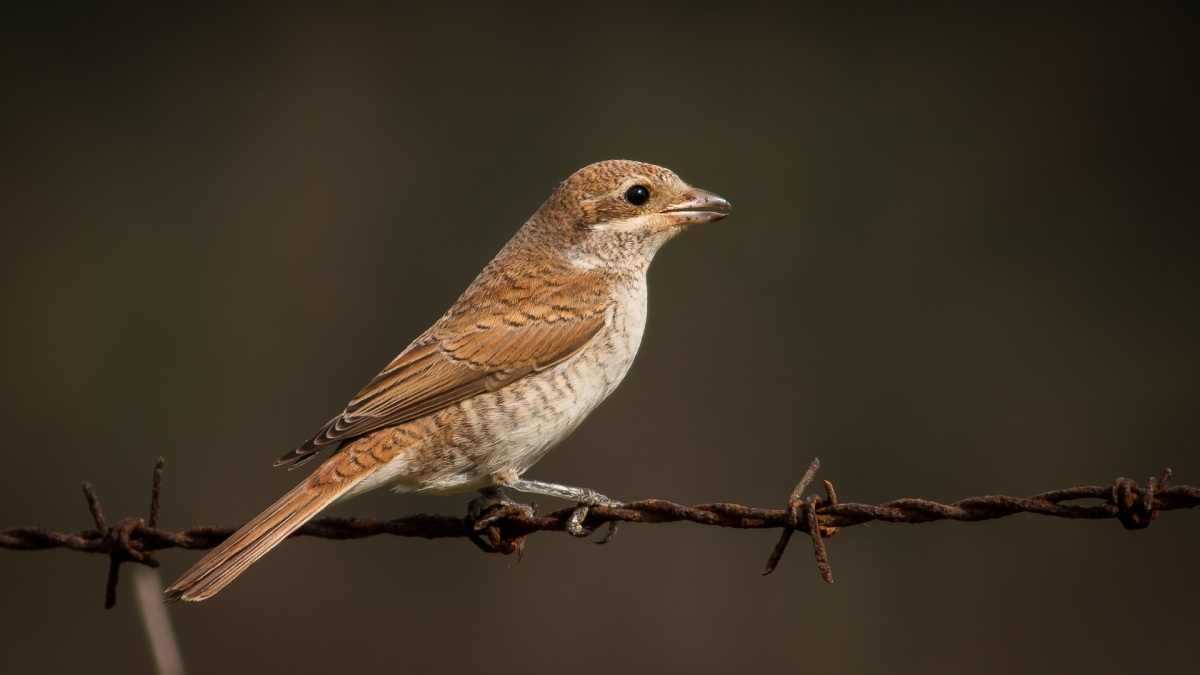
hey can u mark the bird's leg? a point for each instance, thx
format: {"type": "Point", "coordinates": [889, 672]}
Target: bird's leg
{"type": "Point", "coordinates": [572, 494]}
{"type": "Point", "coordinates": [496, 505]}
{"type": "Point", "coordinates": [584, 497]}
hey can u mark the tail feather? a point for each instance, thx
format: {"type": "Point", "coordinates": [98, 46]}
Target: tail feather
{"type": "Point", "coordinates": [224, 563]}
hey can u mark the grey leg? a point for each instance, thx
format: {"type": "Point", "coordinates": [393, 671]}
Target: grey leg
{"type": "Point", "coordinates": [571, 494]}
{"type": "Point", "coordinates": [584, 497]}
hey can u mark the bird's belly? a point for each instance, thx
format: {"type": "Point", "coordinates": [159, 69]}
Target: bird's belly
{"type": "Point", "coordinates": [498, 435]}
{"type": "Point", "coordinates": [502, 434]}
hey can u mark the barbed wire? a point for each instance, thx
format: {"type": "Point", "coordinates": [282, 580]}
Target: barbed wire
{"type": "Point", "coordinates": [503, 527]}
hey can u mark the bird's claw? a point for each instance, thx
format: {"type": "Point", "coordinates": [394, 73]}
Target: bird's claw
{"type": "Point", "coordinates": [486, 510]}
{"type": "Point", "coordinates": [584, 499]}
{"type": "Point", "coordinates": [608, 536]}
{"type": "Point", "coordinates": [575, 525]}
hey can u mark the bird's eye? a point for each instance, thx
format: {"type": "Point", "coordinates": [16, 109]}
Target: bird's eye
{"type": "Point", "coordinates": [637, 195]}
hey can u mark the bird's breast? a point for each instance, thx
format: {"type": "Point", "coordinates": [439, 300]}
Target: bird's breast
{"type": "Point", "coordinates": [553, 403]}
{"type": "Point", "coordinates": [508, 430]}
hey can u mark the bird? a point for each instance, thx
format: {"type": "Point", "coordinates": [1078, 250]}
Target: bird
{"type": "Point", "coordinates": [541, 337]}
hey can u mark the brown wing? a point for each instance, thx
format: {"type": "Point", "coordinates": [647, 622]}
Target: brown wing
{"type": "Point", "coordinates": [489, 340]}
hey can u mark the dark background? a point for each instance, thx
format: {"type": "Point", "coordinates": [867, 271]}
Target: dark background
{"type": "Point", "coordinates": [963, 261]}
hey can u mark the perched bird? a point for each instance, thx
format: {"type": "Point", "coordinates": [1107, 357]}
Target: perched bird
{"type": "Point", "coordinates": [544, 333]}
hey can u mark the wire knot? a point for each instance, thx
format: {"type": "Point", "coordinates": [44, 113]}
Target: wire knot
{"type": "Point", "coordinates": [122, 543]}
{"type": "Point", "coordinates": [1136, 508]}
{"type": "Point", "coordinates": [804, 514]}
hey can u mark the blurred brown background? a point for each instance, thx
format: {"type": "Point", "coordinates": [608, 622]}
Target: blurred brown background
{"type": "Point", "coordinates": [963, 260]}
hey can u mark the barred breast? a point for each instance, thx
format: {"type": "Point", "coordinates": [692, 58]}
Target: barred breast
{"type": "Point", "coordinates": [496, 436]}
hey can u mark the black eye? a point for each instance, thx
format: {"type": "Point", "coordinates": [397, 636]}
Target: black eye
{"type": "Point", "coordinates": [637, 195]}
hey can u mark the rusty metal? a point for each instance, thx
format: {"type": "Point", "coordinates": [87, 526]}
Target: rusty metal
{"type": "Point", "coordinates": [504, 527]}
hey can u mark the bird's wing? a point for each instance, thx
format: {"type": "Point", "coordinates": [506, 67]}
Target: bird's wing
{"type": "Point", "coordinates": [488, 341]}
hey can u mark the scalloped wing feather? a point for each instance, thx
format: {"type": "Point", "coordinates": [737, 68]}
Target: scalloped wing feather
{"type": "Point", "coordinates": [487, 342]}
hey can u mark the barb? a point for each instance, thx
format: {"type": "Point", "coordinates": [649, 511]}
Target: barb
{"type": "Point", "coordinates": [135, 539]}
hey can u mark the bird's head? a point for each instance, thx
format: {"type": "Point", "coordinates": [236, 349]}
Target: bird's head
{"type": "Point", "coordinates": [620, 211]}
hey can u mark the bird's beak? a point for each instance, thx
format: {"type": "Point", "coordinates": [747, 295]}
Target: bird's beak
{"type": "Point", "coordinates": [696, 206]}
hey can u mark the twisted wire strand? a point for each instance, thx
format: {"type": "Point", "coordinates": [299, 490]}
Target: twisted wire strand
{"type": "Point", "coordinates": [503, 527]}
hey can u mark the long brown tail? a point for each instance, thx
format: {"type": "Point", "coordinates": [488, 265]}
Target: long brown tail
{"type": "Point", "coordinates": [255, 539]}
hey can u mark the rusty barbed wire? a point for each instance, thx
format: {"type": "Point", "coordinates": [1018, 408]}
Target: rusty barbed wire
{"type": "Point", "coordinates": [503, 527]}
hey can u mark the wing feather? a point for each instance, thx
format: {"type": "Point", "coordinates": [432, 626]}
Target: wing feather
{"type": "Point", "coordinates": [486, 342]}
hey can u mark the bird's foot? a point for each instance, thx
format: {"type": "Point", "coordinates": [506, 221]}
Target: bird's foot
{"type": "Point", "coordinates": [584, 497]}
{"type": "Point", "coordinates": [488, 508]}
{"type": "Point", "coordinates": [576, 528]}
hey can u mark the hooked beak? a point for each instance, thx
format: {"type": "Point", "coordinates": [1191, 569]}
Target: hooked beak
{"type": "Point", "coordinates": [697, 206]}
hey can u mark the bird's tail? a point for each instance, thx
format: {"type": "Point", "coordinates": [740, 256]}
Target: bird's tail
{"type": "Point", "coordinates": [224, 563]}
